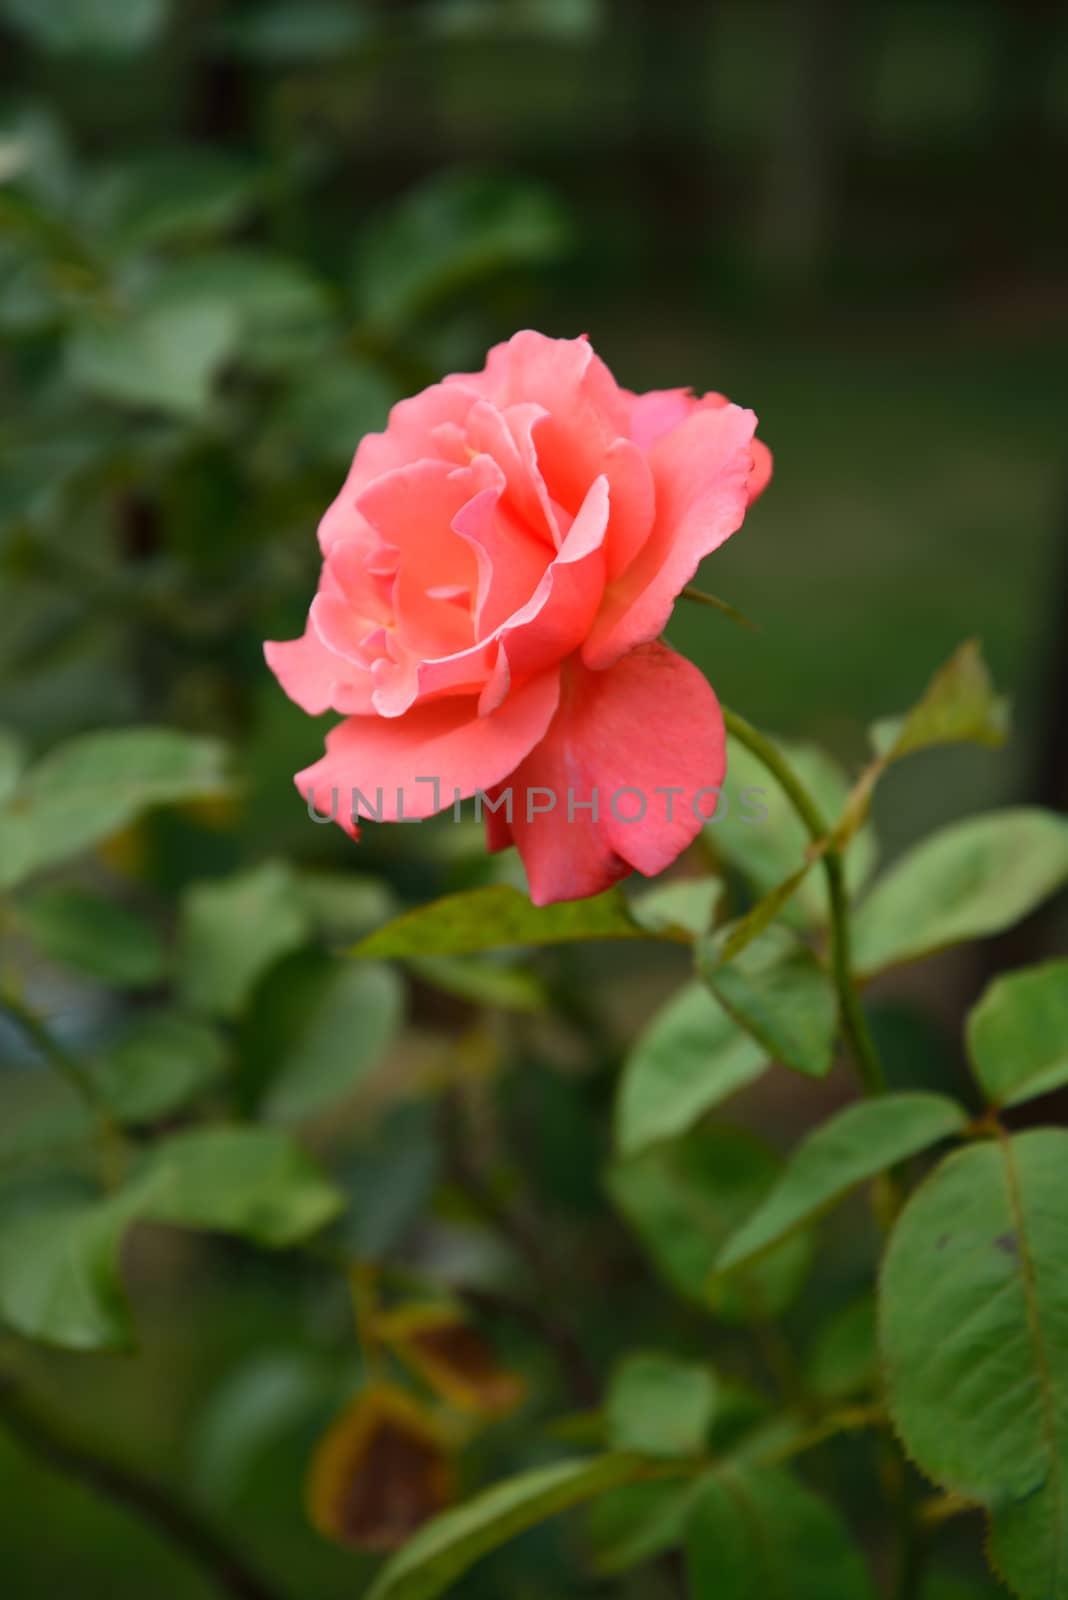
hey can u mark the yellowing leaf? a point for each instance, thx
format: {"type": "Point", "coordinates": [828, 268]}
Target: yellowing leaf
{"type": "Point", "coordinates": [452, 1357]}
{"type": "Point", "coordinates": [379, 1472]}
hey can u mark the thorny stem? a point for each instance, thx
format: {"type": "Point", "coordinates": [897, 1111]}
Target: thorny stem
{"type": "Point", "coordinates": [148, 1499]}
{"type": "Point", "coordinates": [854, 1022]}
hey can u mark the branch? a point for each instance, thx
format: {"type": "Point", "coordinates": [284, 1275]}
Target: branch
{"type": "Point", "coordinates": [176, 1521]}
{"type": "Point", "coordinates": [854, 1021]}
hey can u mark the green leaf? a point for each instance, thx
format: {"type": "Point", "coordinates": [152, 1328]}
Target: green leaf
{"type": "Point", "coordinates": [56, 1132]}
{"type": "Point", "coordinates": [88, 27]}
{"type": "Point", "coordinates": [59, 1273]}
{"type": "Point", "coordinates": [96, 783]}
{"type": "Point", "coordinates": [974, 1333]}
{"type": "Point", "coordinates": [1018, 1034]}
{"type": "Point", "coordinates": [452, 233]}
{"type": "Point", "coordinates": [844, 1360]}
{"type": "Point", "coordinates": [257, 1183]}
{"type": "Point", "coordinates": [691, 1057]}
{"type": "Point", "coordinates": [948, 1585]}
{"type": "Point", "coordinates": [489, 918]}
{"type": "Point", "coordinates": [86, 931]}
{"type": "Point", "coordinates": [483, 983]}
{"type": "Point", "coordinates": [161, 1063]}
{"type": "Point", "coordinates": [761, 834]}
{"type": "Point", "coordinates": [316, 1027]}
{"type": "Point", "coordinates": [164, 358]}
{"type": "Point", "coordinates": [172, 195]}
{"type": "Point", "coordinates": [449, 1546]}
{"type": "Point", "coordinates": [11, 762]}
{"type": "Point", "coordinates": [38, 152]}
{"type": "Point", "coordinates": [232, 930]}
{"type": "Point", "coordinates": [685, 907]}
{"type": "Point", "coordinates": [966, 881]}
{"type": "Point", "coordinates": [685, 1198]}
{"type": "Point", "coordinates": [633, 1524]}
{"type": "Point", "coordinates": [283, 312]}
{"type": "Point", "coordinates": [958, 706]}
{"type": "Point", "coordinates": [779, 993]}
{"type": "Point", "coordinates": [658, 1406]}
{"type": "Point", "coordinates": [740, 933]}
{"type": "Point", "coordinates": [389, 1179]}
{"type": "Point", "coordinates": [857, 1144]}
{"type": "Point", "coordinates": [344, 905]}
{"type": "Point", "coordinates": [755, 1533]}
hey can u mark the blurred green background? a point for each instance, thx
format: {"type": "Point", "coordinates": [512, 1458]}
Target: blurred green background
{"type": "Point", "coordinates": [231, 235]}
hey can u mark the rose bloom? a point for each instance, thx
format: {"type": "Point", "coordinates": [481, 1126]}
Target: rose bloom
{"type": "Point", "coordinates": [497, 571]}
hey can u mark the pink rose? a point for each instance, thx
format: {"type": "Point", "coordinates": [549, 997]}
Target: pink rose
{"type": "Point", "coordinates": [497, 571]}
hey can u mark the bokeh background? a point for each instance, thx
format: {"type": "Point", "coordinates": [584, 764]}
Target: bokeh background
{"type": "Point", "coordinates": [231, 234]}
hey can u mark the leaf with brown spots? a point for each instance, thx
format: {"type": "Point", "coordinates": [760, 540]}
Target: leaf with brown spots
{"type": "Point", "coordinates": [380, 1471]}
{"type": "Point", "coordinates": [452, 1357]}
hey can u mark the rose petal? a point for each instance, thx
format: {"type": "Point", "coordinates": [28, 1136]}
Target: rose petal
{"type": "Point", "coordinates": [445, 740]}
{"type": "Point", "coordinates": [510, 560]}
{"type": "Point", "coordinates": [580, 433]}
{"type": "Point", "coordinates": [552, 624]}
{"type": "Point", "coordinates": [651, 720]}
{"type": "Point", "coordinates": [506, 435]}
{"type": "Point", "coordinates": [700, 470]}
{"type": "Point", "coordinates": [316, 678]}
{"type": "Point", "coordinates": [655, 413]}
{"type": "Point", "coordinates": [409, 437]}
{"type": "Point", "coordinates": [760, 472]}
{"type": "Point", "coordinates": [660, 410]}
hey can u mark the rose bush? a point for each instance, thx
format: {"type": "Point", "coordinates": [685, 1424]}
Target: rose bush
{"type": "Point", "coordinates": [497, 571]}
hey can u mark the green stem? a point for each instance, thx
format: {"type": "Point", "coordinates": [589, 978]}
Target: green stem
{"type": "Point", "coordinates": [850, 1419]}
{"type": "Point", "coordinates": [854, 1022]}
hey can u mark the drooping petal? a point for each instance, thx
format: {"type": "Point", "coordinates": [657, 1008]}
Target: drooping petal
{"type": "Point", "coordinates": [701, 471]}
{"type": "Point", "coordinates": [643, 740]}
{"type": "Point", "coordinates": [444, 740]}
